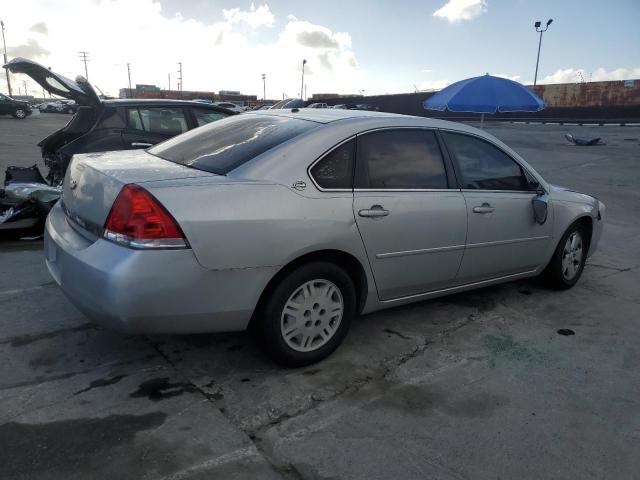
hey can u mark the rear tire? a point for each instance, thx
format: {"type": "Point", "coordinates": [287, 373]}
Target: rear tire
{"type": "Point", "coordinates": [308, 314]}
{"type": "Point", "coordinates": [567, 263]}
{"type": "Point", "coordinates": [20, 113]}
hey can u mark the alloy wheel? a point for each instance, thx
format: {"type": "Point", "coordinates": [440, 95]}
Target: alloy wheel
{"type": "Point", "coordinates": [311, 316]}
{"type": "Point", "coordinates": [20, 113]}
{"type": "Point", "coordinates": [572, 256]}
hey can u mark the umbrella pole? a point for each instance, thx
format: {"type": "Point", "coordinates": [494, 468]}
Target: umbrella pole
{"type": "Point", "coordinates": [481, 121]}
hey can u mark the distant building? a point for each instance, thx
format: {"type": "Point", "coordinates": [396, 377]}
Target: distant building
{"type": "Point", "coordinates": [152, 91]}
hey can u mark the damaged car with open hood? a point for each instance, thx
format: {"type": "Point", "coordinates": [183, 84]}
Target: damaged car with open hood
{"type": "Point", "coordinates": [99, 125]}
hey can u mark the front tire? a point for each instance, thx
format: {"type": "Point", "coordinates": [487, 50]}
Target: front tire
{"type": "Point", "coordinates": [308, 314]}
{"type": "Point", "coordinates": [567, 263]}
{"type": "Point", "coordinates": [20, 113]}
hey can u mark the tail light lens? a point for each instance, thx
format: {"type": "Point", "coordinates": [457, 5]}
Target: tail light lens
{"type": "Point", "coordinates": [138, 220]}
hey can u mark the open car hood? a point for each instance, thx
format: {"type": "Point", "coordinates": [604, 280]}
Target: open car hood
{"type": "Point", "coordinates": [80, 90]}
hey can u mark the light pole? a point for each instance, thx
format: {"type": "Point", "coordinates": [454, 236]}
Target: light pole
{"type": "Point", "coordinates": [264, 87]}
{"type": "Point", "coordinates": [129, 75]}
{"type": "Point", "coordinates": [541, 30]}
{"type": "Point", "coordinates": [84, 58]}
{"type": "Point", "coordinates": [302, 86]}
{"type": "Point", "coordinates": [5, 58]}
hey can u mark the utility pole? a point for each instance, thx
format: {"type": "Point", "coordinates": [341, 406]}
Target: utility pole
{"type": "Point", "coordinates": [305, 91]}
{"type": "Point", "coordinates": [180, 77]}
{"type": "Point", "coordinates": [129, 75]}
{"type": "Point", "coordinates": [24, 82]}
{"type": "Point", "coordinates": [302, 85]}
{"type": "Point", "coordinates": [5, 58]}
{"type": "Point", "coordinates": [84, 57]}
{"type": "Point", "coordinates": [541, 30]}
{"type": "Point", "coordinates": [169, 77]}
{"type": "Point", "coordinates": [264, 87]}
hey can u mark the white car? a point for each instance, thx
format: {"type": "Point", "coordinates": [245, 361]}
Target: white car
{"type": "Point", "coordinates": [292, 222]}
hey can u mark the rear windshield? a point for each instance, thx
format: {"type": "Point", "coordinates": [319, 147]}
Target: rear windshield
{"type": "Point", "coordinates": [221, 146]}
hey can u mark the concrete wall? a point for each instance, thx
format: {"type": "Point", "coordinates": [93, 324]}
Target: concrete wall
{"type": "Point", "coordinates": [592, 94]}
{"type": "Point", "coordinates": [594, 100]}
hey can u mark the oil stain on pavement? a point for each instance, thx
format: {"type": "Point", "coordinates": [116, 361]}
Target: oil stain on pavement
{"type": "Point", "coordinates": [158, 389]}
{"type": "Point", "coordinates": [32, 450]}
{"type": "Point", "coordinates": [505, 347]}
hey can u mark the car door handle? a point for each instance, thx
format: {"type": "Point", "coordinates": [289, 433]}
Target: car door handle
{"type": "Point", "coordinates": [141, 144]}
{"type": "Point", "coordinates": [484, 208]}
{"type": "Point", "coordinates": [374, 211]}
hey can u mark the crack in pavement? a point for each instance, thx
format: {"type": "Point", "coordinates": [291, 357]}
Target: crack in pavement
{"type": "Point", "coordinates": [255, 434]}
{"type": "Point", "coordinates": [286, 471]}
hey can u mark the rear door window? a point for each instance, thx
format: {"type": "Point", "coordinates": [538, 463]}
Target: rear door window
{"type": "Point", "coordinates": [407, 159]}
{"type": "Point", "coordinates": [158, 120]}
{"type": "Point", "coordinates": [221, 146]}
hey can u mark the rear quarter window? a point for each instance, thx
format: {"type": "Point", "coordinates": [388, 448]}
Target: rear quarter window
{"type": "Point", "coordinates": [224, 145]}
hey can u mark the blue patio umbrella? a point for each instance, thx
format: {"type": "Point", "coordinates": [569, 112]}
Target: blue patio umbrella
{"type": "Point", "coordinates": [485, 94]}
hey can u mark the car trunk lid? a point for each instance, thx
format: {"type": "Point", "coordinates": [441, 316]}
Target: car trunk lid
{"type": "Point", "coordinates": [94, 180]}
{"type": "Point", "coordinates": [80, 90]}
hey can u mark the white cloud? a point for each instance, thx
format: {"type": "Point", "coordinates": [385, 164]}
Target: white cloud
{"type": "Point", "coordinates": [461, 10]}
{"type": "Point", "coordinates": [254, 17]}
{"type": "Point", "coordinates": [576, 75]}
{"type": "Point", "coordinates": [218, 55]}
{"type": "Point", "coordinates": [430, 85]}
{"type": "Point", "coordinates": [515, 78]}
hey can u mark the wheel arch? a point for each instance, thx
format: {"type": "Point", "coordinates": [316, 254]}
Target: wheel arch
{"type": "Point", "coordinates": [352, 266]}
{"type": "Point", "coordinates": [587, 222]}
{"type": "Point", "coordinates": [583, 219]}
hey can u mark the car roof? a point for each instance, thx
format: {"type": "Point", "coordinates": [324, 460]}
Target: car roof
{"type": "Point", "coordinates": [329, 115]}
{"type": "Point", "coordinates": [153, 101]}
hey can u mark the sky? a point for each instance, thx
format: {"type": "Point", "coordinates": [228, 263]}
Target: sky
{"type": "Point", "coordinates": [357, 46]}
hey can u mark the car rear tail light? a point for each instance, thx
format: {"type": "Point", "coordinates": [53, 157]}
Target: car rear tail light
{"type": "Point", "coordinates": [138, 220]}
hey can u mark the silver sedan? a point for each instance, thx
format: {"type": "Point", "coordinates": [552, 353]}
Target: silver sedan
{"type": "Point", "coordinates": [292, 222]}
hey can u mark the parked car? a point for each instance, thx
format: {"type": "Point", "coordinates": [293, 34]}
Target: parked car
{"type": "Point", "coordinates": [230, 106]}
{"type": "Point", "coordinates": [294, 222]}
{"type": "Point", "coordinates": [15, 108]}
{"type": "Point", "coordinates": [59, 106]}
{"type": "Point", "coordinates": [349, 106]}
{"type": "Point", "coordinates": [101, 125]}
{"type": "Point", "coordinates": [288, 103]}
{"type": "Point", "coordinates": [318, 105]}
{"type": "Point", "coordinates": [366, 106]}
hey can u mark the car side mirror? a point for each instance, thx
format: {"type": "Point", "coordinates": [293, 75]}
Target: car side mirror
{"type": "Point", "coordinates": [540, 205]}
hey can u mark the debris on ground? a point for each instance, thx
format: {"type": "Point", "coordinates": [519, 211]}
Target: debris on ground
{"type": "Point", "coordinates": [583, 141]}
{"type": "Point", "coordinates": [26, 201]}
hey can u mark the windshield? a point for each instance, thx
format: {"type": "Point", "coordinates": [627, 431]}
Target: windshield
{"type": "Point", "coordinates": [289, 103]}
{"type": "Point", "coordinates": [226, 144]}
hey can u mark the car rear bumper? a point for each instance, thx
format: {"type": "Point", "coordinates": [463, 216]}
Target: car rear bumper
{"type": "Point", "coordinates": [148, 291]}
